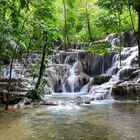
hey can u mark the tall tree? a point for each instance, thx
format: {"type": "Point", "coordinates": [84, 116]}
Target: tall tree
{"type": "Point", "coordinates": [45, 33]}
{"type": "Point", "coordinates": [136, 5]}
{"type": "Point", "coordinates": [66, 38]}
{"type": "Point", "coordinates": [88, 21]}
{"type": "Point", "coordinates": [112, 5]}
{"type": "Point", "coordinates": [69, 19]}
{"type": "Point", "coordinates": [17, 22]}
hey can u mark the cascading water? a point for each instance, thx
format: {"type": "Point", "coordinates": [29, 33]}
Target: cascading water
{"type": "Point", "coordinates": [75, 78]}
{"type": "Point", "coordinates": [75, 72]}
{"type": "Point", "coordinates": [103, 91]}
{"type": "Point", "coordinates": [17, 71]}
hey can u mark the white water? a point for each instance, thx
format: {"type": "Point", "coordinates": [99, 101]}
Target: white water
{"type": "Point", "coordinates": [103, 91]}
{"type": "Point", "coordinates": [18, 71]}
{"type": "Point", "coordinates": [69, 73]}
{"type": "Point", "coordinates": [72, 77]}
{"type": "Point", "coordinates": [97, 92]}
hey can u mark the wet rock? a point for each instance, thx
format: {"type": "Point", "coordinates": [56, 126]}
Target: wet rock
{"type": "Point", "coordinates": [100, 79]}
{"type": "Point", "coordinates": [57, 75]}
{"type": "Point", "coordinates": [78, 101]}
{"type": "Point", "coordinates": [18, 89]}
{"type": "Point", "coordinates": [57, 84]}
{"type": "Point", "coordinates": [78, 82]}
{"type": "Point", "coordinates": [64, 57]}
{"type": "Point", "coordinates": [87, 102]}
{"type": "Point", "coordinates": [50, 103]}
{"type": "Point", "coordinates": [113, 70]}
{"type": "Point", "coordinates": [138, 80]}
{"type": "Point", "coordinates": [77, 67]}
{"type": "Point", "coordinates": [92, 64]}
{"type": "Point", "coordinates": [135, 75]}
{"type": "Point", "coordinates": [126, 73]}
{"type": "Point", "coordinates": [126, 90]}
{"type": "Point", "coordinates": [13, 80]}
{"type": "Point", "coordinates": [129, 39]}
{"type": "Point", "coordinates": [47, 90]}
{"type": "Point", "coordinates": [95, 64]}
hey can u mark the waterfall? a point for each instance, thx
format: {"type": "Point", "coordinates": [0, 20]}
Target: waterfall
{"type": "Point", "coordinates": [70, 74]}
{"type": "Point", "coordinates": [77, 70]}
{"type": "Point", "coordinates": [72, 77]}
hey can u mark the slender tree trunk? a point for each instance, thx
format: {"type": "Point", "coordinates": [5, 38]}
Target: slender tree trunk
{"type": "Point", "coordinates": [41, 71]}
{"type": "Point", "coordinates": [137, 8]}
{"type": "Point", "coordinates": [66, 38]}
{"type": "Point", "coordinates": [131, 18]}
{"type": "Point", "coordinates": [88, 22]}
{"type": "Point", "coordinates": [10, 77]}
{"type": "Point", "coordinates": [138, 38]}
{"type": "Point", "coordinates": [11, 65]}
{"type": "Point", "coordinates": [120, 38]}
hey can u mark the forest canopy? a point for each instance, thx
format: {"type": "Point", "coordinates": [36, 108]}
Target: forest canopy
{"type": "Point", "coordinates": [28, 25]}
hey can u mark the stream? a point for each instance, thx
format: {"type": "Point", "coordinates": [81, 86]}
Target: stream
{"type": "Point", "coordinates": [101, 120]}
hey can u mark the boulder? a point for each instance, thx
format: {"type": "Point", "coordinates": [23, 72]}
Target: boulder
{"type": "Point", "coordinates": [135, 75]}
{"type": "Point", "coordinates": [100, 79]}
{"type": "Point", "coordinates": [126, 73]}
{"type": "Point", "coordinates": [126, 90]}
{"type": "Point", "coordinates": [57, 75]}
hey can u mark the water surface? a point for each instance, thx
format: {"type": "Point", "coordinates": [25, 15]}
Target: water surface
{"type": "Point", "coordinates": [102, 120]}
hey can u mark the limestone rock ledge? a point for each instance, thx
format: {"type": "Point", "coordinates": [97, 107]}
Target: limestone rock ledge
{"type": "Point", "coordinates": [126, 91]}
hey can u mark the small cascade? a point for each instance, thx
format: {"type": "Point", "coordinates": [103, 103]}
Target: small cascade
{"type": "Point", "coordinates": [123, 72]}
{"type": "Point", "coordinates": [19, 86]}
{"type": "Point", "coordinates": [72, 78]}
{"type": "Point", "coordinates": [69, 76]}
{"type": "Point", "coordinates": [21, 80]}
{"type": "Point", "coordinates": [18, 71]}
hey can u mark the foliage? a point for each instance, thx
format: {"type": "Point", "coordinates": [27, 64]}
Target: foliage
{"type": "Point", "coordinates": [35, 93]}
{"type": "Point", "coordinates": [27, 21]}
{"type": "Point", "coordinates": [120, 8]}
{"type": "Point", "coordinates": [99, 48]}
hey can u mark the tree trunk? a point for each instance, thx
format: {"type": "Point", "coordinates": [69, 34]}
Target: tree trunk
{"type": "Point", "coordinates": [120, 38]}
{"type": "Point", "coordinates": [130, 13]}
{"type": "Point", "coordinates": [88, 22]}
{"type": "Point", "coordinates": [66, 38]}
{"type": "Point", "coordinates": [42, 67]}
{"type": "Point", "coordinates": [138, 38]}
{"type": "Point", "coordinates": [11, 65]}
{"type": "Point", "coordinates": [137, 8]}
{"type": "Point", "coordinates": [10, 77]}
